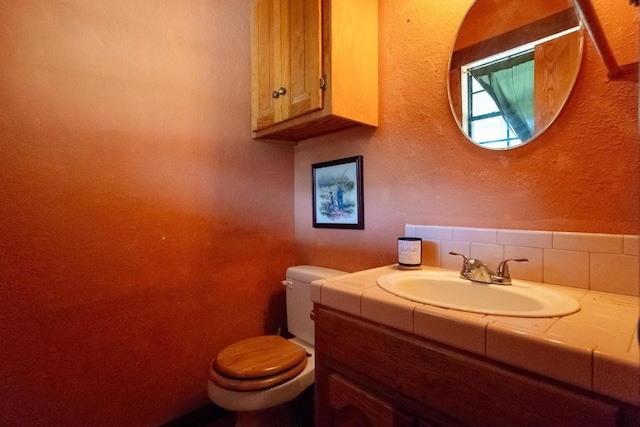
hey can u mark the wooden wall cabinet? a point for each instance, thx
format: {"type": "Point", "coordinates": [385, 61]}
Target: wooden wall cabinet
{"type": "Point", "coordinates": [371, 375]}
{"type": "Point", "coordinates": [314, 66]}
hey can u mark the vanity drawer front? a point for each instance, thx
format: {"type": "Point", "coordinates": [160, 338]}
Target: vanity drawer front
{"type": "Point", "coordinates": [471, 389]}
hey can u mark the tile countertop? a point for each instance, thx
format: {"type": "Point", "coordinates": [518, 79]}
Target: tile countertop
{"type": "Point", "coordinates": [595, 348]}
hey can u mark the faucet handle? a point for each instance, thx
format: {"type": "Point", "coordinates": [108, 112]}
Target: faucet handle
{"type": "Point", "coordinates": [466, 259]}
{"type": "Point", "coordinates": [465, 272]}
{"type": "Point", "coordinates": [502, 274]}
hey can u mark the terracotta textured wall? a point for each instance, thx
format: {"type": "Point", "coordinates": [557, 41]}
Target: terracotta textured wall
{"type": "Point", "coordinates": [141, 229]}
{"type": "Point", "coordinates": [139, 223]}
{"type": "Point", "coordinates": [581, 175]}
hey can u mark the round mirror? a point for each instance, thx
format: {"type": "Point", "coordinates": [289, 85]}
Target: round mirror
{"type": "Point", "coordinates": [512, 69]}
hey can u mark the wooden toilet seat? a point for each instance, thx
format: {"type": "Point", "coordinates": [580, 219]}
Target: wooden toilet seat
{"type": "Point", "coordinates": [257, 363]}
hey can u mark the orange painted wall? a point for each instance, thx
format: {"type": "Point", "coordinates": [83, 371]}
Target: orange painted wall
{"type": "Point", "coordinates": [581, 175]}
{"type": "Point", "coordinates": [141, 229]}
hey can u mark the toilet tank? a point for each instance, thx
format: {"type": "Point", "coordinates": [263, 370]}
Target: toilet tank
{"type": "Point", "coordinates": [299, 305]}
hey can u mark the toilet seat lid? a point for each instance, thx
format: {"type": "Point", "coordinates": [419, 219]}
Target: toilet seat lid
{"type": "Point", "coordinates": [259, 357]}
{"type": "Point", "coordinates": [254, 384]}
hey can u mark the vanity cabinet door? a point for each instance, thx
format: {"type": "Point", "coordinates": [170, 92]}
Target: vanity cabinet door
{"type": "Point", "coordinates": [350, 405]}
{"type": "Point", "coordinates": [285, 60]}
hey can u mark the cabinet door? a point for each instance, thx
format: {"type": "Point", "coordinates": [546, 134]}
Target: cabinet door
{"type": "Point", "coordinates": [286, 47]}
{"type": "Point", "coordinates": [301, 57]}
{"type": "Point", "coordinates": [352, 406]}
{"type": "Point", "coordinates": [265, 62]}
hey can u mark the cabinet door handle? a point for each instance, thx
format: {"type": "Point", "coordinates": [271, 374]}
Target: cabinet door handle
{"type": "Point", "coordinates": [277, 93]}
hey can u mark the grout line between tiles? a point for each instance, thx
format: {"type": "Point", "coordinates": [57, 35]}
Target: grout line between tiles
{"type": "Point", "coordinates": [543, 256]}
{"type": "Point", "coordinates": [555, 320]}
{"type": "Point", "coordinates": [589, 272]}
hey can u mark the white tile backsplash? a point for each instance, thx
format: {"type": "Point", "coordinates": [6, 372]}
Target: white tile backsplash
{"type": "Point", "coordinates": [614, 273]}
{"type": "Point", "coordinates": [530, 270]}
{"type": "Point", "coordinates": [431, 252]}
{"type": "Point", "coordinates": [602, 262]}
{"type": "Point", "coordinates": [569, 268]}
{"type": "Point", "coordinates": [536, 239]}
{"type": "Point", "coordinates": [451, 261]}
{"type": "Point", "coordinates": [606, 243]}
{"type": "Point", "coordinates": [434, 233]}
{"type": "Point", "coordinates": [409, 230]}
{"type": "Point", "coordinates": [631, 245]}
{"type": "Point", "coordinates": [490, 254]}
{"type": "Point", "coordinates": [475, 235]}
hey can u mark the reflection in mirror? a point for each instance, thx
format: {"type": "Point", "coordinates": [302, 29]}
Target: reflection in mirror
{"type": "Point", "coordinates": [512, 69]}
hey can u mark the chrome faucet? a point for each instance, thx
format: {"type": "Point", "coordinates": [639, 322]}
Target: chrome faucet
{"type": "Point", "coordinates": [477, 271]}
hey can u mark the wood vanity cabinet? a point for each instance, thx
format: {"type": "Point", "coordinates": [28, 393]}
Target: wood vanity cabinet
{"type": "Point", "coordinates": [371, 375]}
{"type": "Point", "coordinates": [314, 67]}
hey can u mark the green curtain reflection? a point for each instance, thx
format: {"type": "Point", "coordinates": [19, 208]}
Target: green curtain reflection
{"type": "Point", "coordinates": [510, 83]}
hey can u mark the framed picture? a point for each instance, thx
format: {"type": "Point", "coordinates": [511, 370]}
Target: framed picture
{"type": "Point", "coordinates": [337, 194]}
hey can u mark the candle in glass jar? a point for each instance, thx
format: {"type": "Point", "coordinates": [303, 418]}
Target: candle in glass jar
{"type": "Point", "coordinates": [409, 252]}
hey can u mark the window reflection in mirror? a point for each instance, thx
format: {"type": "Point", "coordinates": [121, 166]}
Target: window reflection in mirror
{"type": "Point", "coordinates": [511, 72]}
{"type": "Point", "coordinates": [499, 100]}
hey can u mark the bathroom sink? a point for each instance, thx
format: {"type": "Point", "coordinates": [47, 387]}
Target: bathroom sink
{"type": "Point", "coordinates": [446, 289]}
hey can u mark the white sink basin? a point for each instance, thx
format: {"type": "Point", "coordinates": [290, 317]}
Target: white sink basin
{"type": "Point", "coordinates": [446, 289]}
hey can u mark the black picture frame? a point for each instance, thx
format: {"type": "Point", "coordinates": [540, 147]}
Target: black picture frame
{"type": "Point", "coordinates": [338, 194]}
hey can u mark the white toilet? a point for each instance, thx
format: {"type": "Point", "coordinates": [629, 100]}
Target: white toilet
{"type": "Point", "coordinates": [257, 378]}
